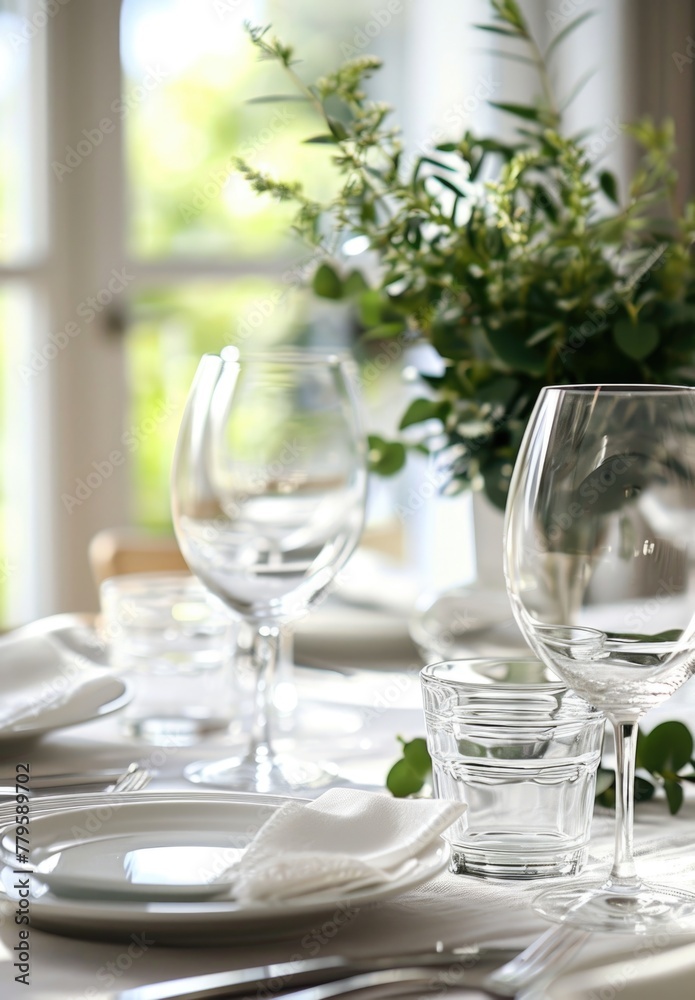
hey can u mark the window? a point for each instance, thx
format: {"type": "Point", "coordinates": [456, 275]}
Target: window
{"type": "Point", "coordinates": [128, 245]}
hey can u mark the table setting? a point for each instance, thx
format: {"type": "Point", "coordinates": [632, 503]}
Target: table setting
{"type": "Point", "coordinates": [382, 681]}
{"type": "Point", "coordinates": [187, 813]}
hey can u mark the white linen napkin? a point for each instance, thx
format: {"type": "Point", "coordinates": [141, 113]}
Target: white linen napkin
{"type": "Point", "coordinates": [347, 839]}
{"type": "Point", "coordinates": [39, 680]}
{"type": "Point", "coordinates": [28, 665]}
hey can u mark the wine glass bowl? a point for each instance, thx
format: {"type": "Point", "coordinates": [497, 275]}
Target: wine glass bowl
{"type": "Point", "coordinates": [268, 496]}
{"type": "Point", "coordinates": [599, 536]}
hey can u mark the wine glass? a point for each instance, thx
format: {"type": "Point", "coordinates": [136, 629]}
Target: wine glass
{"type": "Point", "coordinates": [600, 531]}
{"type": "Point", "coordinates": [268, 496]}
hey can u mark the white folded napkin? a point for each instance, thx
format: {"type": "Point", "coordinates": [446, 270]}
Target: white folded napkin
{"type": "Point", "coordinates": [41, 680]}
{"type": "Point", "coordinates": [347, 839]}
{"type": "Point", "coordinates": [27, 667]}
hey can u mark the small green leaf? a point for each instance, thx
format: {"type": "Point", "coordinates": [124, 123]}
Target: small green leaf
{"type": "Point", "coordinates": [668, 747]}
{"type": "Point", "coordinates": [447, 184]}
{"type": "Point", "coordinates": [496, 476]}
{"type": "Point", "coordinates": [418, 757]}
{"type": "Point", "coordinates": [337, 128]}
{"type": "Point", "coordinates": [500, 391]}
{"type": "Point", "coordinates": [434, 163]}
{"type": "Point", "coordinates": [467, 748]}
{"type": "Point", "coordinates": [386, 458]}
{"type": "Point", "coordinates": [355, 284]}
{"type": "Point", "coordinates": [674, 794]}
{"type": "Point", "coordinates": [609, 185]}
{"type": "Point", "coordinates": [402, 781]}
{"type": "Point", "coordinates": [384, 331]}
{"type": "Point", "coordinates": [607, 798]}
{"type": "Point", "coordinates": [644, 790]}
{"type": "Point", "coordinates": [637, 340]}
{"type": "Point", "coordinates": [509, 345]}
{"type": "Point", "coordinates": [498, 31]}
{"type": "Point", "coordinates": [420, 410]}
{"type": "Point", "coordinates": [577, 89]}
{"type": "Point", "coordinates": [572, 26]}
{"type": "Point", "coordinates": [327, 284]}
{"type": "Point", "coordinates": [322, 139]}
{"type": "Point", "coordinates": [540, 335]}
{"type": "Point", "coordinates": [371, 308]}
{"type": "Point", "coordinates": [520, 110]}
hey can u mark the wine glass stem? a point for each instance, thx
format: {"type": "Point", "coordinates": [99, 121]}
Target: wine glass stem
{"type": "Point", "coordinates": [264, 657]}
{"type": "Point", "coordinates": [623, 873]}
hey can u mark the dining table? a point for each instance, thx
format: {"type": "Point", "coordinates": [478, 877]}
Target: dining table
{"type": "Point", "coordinates": [350, 710]}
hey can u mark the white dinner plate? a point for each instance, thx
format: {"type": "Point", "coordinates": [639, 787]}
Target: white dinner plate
{"type": "Point", "coordinates": [45, 687]}
{"type": "Point", "coordinates": [209, 829]}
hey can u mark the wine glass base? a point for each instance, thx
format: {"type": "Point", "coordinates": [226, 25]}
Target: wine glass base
{"type": "Point", "coordinates": [646, 909]}
{"type": "Point", "coordinates": [279, 775]}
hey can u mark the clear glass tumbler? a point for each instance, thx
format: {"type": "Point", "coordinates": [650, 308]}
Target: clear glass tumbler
{"type": "Point", "coordinates": [522, 752]}
{"type": "Point", "coordinates": [176, 644]}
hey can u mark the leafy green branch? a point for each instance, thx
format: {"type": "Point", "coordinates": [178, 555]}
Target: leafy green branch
{"type": "Point", "coordinates": [663, 755]}
{"type": "Point", "coordinates": [507, 256]}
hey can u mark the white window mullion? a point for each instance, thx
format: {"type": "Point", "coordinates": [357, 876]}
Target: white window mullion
{"type": "Point", "coordinates": [86, 381]}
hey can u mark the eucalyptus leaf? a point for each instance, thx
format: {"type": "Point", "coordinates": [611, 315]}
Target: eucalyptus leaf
{"type": "Point", "coordinates": [644, 790]}
{"type": "Point", "coordinates": [637, 340]}
{"type": "Point", "coordinates": [385, 457]}
{"type": "Point", "coordinates": [417, 756]}
{"type": "Point", "coordinates": [496, 476]}
{"type": "Point", "coordinates": [402, 781]}
{"type": "Point", "coordinates": [674, 796]}
{"type": "Point", "coordinates": [515, 352]}
{"type": "Point", "coordinates": [384, 331]}
{"type": "Point", "coordinates": [420, 410]}
{"type": "Point", "coordinates": [355, 284]}
{"type": "Point", "coordinates": [667, 747]}
{"type": "Point", "coordinates": [327, 283]}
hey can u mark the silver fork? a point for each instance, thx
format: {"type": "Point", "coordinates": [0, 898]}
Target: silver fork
{"type": "Point", "coordinates": [134, 779]}
{"type": "Point", "coordinates": [542, 960]}
{"type": "Point", "coordinates": [547, 954]}
{"type": "Point", "coordinates": [398, 978]}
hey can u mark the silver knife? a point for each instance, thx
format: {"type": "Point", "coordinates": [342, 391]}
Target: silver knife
{"type": "Point", "coordinates": [309, 972]}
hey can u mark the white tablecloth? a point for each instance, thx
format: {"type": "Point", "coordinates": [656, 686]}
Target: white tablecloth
{"type": "Point", "coordinates": [454, 910]}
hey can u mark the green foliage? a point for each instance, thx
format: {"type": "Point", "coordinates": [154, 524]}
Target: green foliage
{"type": "Point", "coordinates": [663, 752]}
{"type": "Point", "coordinates": [385, 457]}
{"type": "Point", "coordinates": [521, 262]}
{"type": "Point", "coordinates": [409, 774]}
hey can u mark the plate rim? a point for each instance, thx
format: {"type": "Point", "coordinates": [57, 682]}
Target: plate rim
{"type": "Point", "coordinates": [117, 915]}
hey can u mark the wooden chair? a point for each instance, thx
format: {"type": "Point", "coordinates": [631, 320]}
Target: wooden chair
{"type": "Point", "coordinates": [117, 551]}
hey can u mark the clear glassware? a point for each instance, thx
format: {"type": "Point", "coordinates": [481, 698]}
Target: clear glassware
{"type": "Point", "coordinates": [599, 536]}
{"type": "Point", "coordinates": [268, 497]}
{"type": "Point", "coordinates": [176, 643]}
{"type": "Point", "coordinates": [522, 752]}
